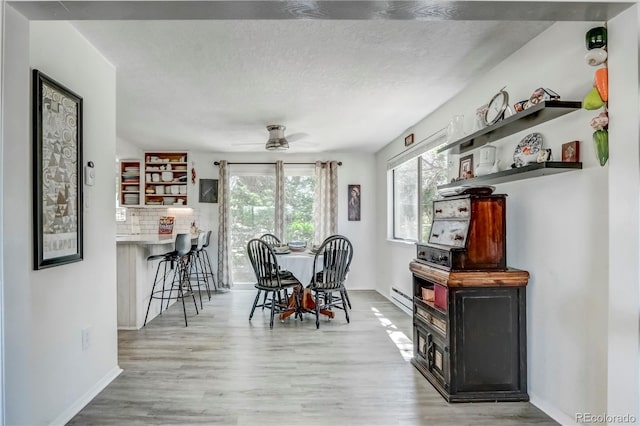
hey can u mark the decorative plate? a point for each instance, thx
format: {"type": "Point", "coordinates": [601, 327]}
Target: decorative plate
{"type": "Point", "coordinates": [527, 150]}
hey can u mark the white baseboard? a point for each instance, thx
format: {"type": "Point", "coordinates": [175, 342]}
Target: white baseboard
{"type": "Point", "coordinates": [75, 408]}
{"type": "Point", "coordinates": [552, 411]}
{"type": "Point", "coordinates": [401, 300]}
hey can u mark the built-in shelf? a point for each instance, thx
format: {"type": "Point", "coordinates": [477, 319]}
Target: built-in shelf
{"type": "Point", "coordinates": [537, 114]}
{"type": "Point", "coordinates": [526, 172]}
{"type": "Point", "coordinates": [130, 182]}
{"type": "Point", "coordinates": [166, 177]}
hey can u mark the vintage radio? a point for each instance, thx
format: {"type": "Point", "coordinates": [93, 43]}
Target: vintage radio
{"type": "Point", "coordinates": [468, 233]}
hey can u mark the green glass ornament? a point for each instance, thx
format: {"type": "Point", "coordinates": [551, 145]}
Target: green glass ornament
{"type": "Point", "coordinates": [601, 144]}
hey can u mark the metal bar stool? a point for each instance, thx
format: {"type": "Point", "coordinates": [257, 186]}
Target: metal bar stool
{"type": "Point", "coordinates": [178, 262]}
{"type": "Point", "coordinates": [204, 254]}
{"type": "Point", "coordinates": [197, 267]}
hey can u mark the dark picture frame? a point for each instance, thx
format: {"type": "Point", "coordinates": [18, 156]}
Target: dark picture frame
{"type": "Point", "coordinates": [408, 140]}
{"type": "Point", "coordinates": [571, 151]}
{"type": "Point", "coordinates": [57, 173]}
{"type": "Point", "coordinates": [353, 202]}
{"type": "Point", "coordinates": [208, 191]}
{"type": "Point", "coordinates": [466, 166]}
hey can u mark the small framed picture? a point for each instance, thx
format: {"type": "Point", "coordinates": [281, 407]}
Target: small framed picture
{"type": "Point", "coordinates": [408, 140]}
{"type": "Point", "coordinates": [353, 202]}
{"type": "Point", "coordinates": [208, 191]}
{"type": "Point", "coordinates": [466, 167]}
{"type": "Point", "coordinates": [571, 151]}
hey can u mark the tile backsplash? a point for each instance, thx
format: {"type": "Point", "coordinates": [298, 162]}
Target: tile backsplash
{"type": "Point", "coordinates": [146, 220]}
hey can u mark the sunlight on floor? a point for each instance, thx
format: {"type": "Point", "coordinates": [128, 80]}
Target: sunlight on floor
{"type": "Point", "coordinates": [404, 344]}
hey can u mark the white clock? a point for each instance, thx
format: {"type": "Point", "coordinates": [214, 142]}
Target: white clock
{"type": "Point", "coordinates": [496, 108]}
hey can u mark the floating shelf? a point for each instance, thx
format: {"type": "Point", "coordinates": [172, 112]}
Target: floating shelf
{"type": "Point", "coordinates": [526, 172]}
{"type": "Point", "coordinates": [538, 114]}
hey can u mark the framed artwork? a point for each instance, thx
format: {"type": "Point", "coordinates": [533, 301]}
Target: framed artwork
{"type": "Point", "coordinates": [208, 190]}
{"type": "Point", "coordinates": [354, 202]}
{"type": "Point", "coordinates": [408, 140]}
{"type": "Point", "coordinates": [57, 171]}
{"type": "Point", "coordinates": [466, 167]}
{"type": "Point", "coordinates": [571, 151]}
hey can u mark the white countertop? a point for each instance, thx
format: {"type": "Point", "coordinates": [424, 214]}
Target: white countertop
{"type": "Point", "coordinates": [144, 239]}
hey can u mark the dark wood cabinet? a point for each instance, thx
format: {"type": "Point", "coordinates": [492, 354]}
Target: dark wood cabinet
{"type": "Point", "coordinates": [470, 340]}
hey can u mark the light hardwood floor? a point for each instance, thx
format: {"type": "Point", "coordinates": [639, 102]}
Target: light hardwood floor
{"type": "Point", "coordinates": [223, 369]}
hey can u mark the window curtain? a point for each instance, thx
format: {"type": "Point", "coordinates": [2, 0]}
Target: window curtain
{"type": "Point", "coordinates": [279, 202]}
{"type": "Point", "coordinates": [325, 203]}
{"type": "Point", "coordinates": [224, 235]}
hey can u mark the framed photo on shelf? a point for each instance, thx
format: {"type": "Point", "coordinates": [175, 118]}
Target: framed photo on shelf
{"type": "Point", "coordinates": [57, 172]}
{"type": "Point", "coordinates": [208, 190]}
{"type": "Point", "coordinates": [571, 151]}
{"type": "Point", "coordinates": [466, 167]}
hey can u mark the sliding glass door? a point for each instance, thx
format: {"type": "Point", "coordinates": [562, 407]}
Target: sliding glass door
{"type": "Point", "coordinates": [253, 212]}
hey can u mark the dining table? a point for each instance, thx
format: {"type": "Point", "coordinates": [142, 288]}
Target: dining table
{"type": "Point", "coordinates": [300, 264]}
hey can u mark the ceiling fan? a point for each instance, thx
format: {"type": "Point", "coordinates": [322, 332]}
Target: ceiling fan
{"type": "Point", "coordinates": [277, 140]}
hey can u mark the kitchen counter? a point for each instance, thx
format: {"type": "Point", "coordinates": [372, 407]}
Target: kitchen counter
{"type": "Point", "coordinates": [150, 239]}
{"type": "Point", "coordinates": [135, 276]}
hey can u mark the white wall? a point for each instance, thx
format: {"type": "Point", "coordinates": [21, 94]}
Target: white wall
{"type": "Point", "coordinates": [624, 200]}
{"type": "Point", "coordinates": [2, 422]}
{"type": "Point", "coordinates": [556, 225]}
{"type": "Point", "coordinates": [50, 376]}
{"type": "Point", "coordinates": [16, 225]}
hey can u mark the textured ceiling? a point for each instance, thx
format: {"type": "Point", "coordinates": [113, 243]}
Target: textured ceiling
{"type": "Point", "coordinates": [337, 85]}
{"type": "Point", "coordinates": [346, 75]}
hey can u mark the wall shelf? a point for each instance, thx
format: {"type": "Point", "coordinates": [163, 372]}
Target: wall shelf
{"type": "Point", "coordinates": [510, 175]}
{"type": "Point", "coordinates": [538, 114]}
{"type": "Point", "coordinates": [166, 177]}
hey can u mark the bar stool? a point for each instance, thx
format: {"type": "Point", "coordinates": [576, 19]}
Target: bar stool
{"type": "Point", "coordinates": [178, 262]}
{"type": "Point", "coordinates": [207, 261]}
{"type": "Point", "coordinates": [197, 267]}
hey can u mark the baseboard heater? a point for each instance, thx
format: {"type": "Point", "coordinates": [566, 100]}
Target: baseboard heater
{"type": "Point", "coordinates": [402, 300]}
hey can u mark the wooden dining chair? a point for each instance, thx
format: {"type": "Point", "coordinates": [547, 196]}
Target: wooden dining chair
{"type": "Point", "coordinates": [269, 278]}
{"type": "Point", "coordinates": [346, 293]}
{"type": "Point", "coordinates": [271, 239]}
{"type": "Point", "coordinates": [335, 255]}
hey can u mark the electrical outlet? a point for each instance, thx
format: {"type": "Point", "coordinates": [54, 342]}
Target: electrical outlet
{"type": "Point", "coordinates": [86, 338]}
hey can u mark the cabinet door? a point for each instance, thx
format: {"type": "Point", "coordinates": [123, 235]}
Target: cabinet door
{"type": "Point", "coordinates": [433, 351]}
{"type": "Point", "coordinates": [490, 341]}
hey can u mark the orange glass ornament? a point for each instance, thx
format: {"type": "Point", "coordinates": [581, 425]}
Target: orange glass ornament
{"type": "Point", "coordinates": [601, 82]}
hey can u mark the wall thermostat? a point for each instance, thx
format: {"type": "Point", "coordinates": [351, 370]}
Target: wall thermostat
{"type": "Point", "coordinates": [89, 174]}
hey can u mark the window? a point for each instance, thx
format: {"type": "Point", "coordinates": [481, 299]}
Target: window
{"type": "Point", "coordinates": [405, 201]}
{"type": "Point", "coordinates": [252, 204]}
{"type": "Point", "coordinates": [299, 189]}
{"type": "Point", "coordinates": [433, 173]}
{"type": "Point", "coordinates": [252, 208]}
{"type": "Point", "coordinates": [414, 185]}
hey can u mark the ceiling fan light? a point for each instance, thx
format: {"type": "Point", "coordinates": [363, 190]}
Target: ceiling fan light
{"type": "Point", "coordinates": [276, 139]}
